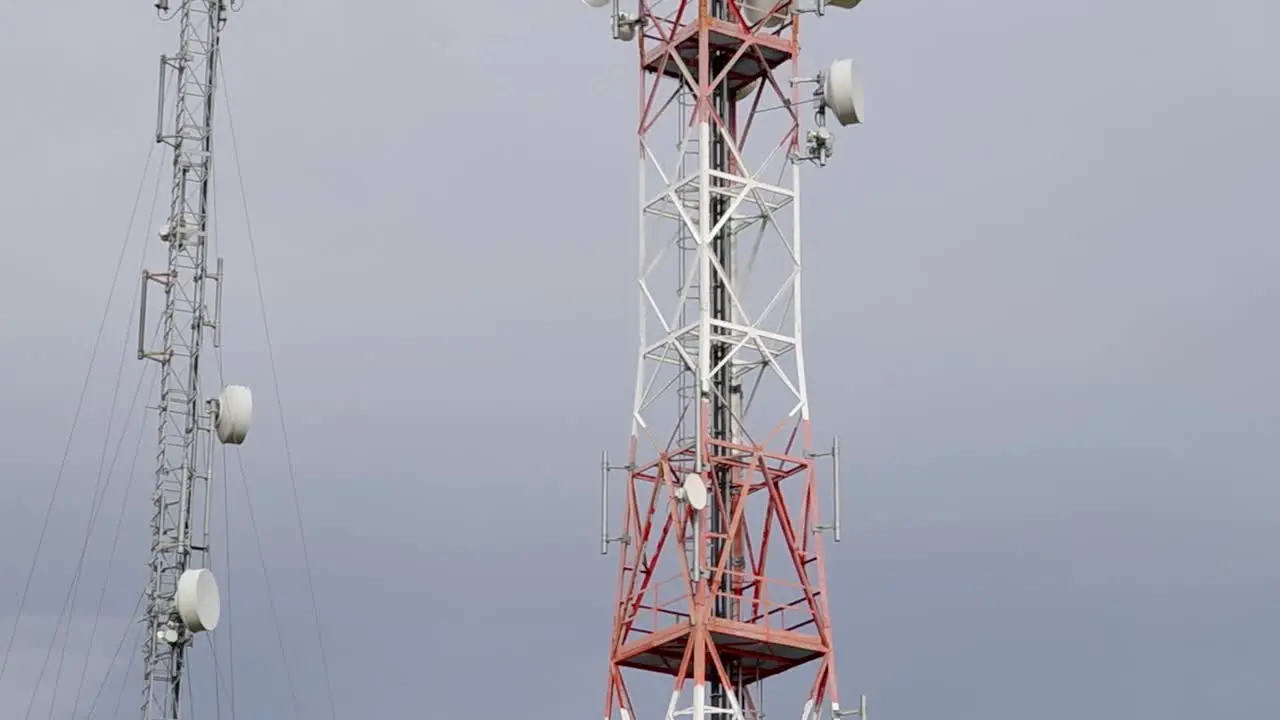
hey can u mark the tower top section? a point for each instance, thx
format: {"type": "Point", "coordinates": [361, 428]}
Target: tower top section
{"type": "Point", "coordinates": [734, 47]}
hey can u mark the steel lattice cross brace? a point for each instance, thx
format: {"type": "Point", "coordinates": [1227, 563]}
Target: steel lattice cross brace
{"type": "Point", "coordinates": [755, 336]}
{"type": "Point", "coordinates": [724, 596]}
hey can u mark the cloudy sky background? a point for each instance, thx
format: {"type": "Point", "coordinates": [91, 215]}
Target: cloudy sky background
{"type": "Point", "coordinates": [1041, 306]}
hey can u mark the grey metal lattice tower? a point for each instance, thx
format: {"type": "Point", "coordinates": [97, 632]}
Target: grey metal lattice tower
{"type": "Point", "coordinates": [182, 596]}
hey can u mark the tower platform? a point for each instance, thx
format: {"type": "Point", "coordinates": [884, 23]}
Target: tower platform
{"type": "Point", "coordinates": [755, 651]}
{"type": "Point", "coordinates": [755, 54]}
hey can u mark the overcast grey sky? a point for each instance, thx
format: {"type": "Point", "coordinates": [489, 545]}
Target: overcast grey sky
{"type": "Point", "coordinates": [1041, 302]}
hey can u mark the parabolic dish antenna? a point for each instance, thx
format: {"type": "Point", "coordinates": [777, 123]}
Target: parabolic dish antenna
{"type": "Point", "coordinates": [693, 491]}
{"type": "Point", "coordinates": [199, 604]}
{"type": "Point", "coordinates": [842, 92]}
{"type": "Point", "coordinates": [235, 410]}
{"type": "Point", "coordinates": [595, 3]}
{"type": "Point", "coordinates": [753, 10]}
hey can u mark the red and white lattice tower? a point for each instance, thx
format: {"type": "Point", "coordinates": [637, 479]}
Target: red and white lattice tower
{"type": "Point", "coordinates": [722, 583]}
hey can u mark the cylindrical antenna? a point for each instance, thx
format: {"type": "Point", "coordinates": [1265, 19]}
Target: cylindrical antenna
{"type": "Point", "coordinates": [164, 62]}
{"type": "Point", "coordinates": [142, 316]}
{"type": "Point", "coordinates": [835, 486]}
{"type": "Point", "coordinates": [217, 308]}
{"type": "Point", "coordinates": [604, 502]}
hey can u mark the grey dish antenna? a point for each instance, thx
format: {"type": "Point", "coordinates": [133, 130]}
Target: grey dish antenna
{"type": "Point", "coordinates": [198, 599]}
{"type": "Point", "coordinates": [772, 11]}
{"type": "Point", "coordinates": [842, 93]}
{"type": "Point", "coordinates": [233, 411]}
{"type": "Point", "coordinates": [693, 491]}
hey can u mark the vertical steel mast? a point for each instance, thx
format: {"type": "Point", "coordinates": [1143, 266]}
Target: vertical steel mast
{"type": "Point", "coordinates": [182, 597]}
{"type": "Point", "coordinates": [722, 581]}
{"type": "Point", "coordinates": [725, 392]}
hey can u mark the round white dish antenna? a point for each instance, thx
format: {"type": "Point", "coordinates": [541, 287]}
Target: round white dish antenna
{"type": "Point", "coordinates": [199, 604]}
{"type": "Point", "coordinates": [693, 491]}
{"type": "Point", "coordinates": [235, 410]}
{"type": "Point", "coordinates": [842, 92]}
{"type": "Point", "coordinates": [595, 3]}
{"type": "Point", "coordinates": [753, 10]}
